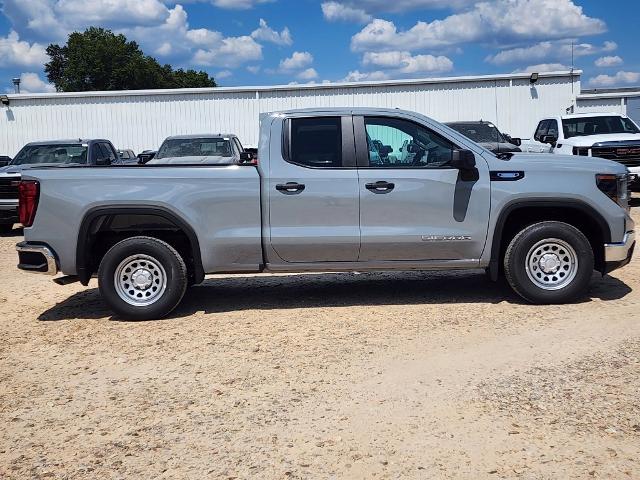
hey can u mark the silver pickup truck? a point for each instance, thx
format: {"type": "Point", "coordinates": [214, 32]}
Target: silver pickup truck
{"type": "Point", "coordinates": [334, 190]}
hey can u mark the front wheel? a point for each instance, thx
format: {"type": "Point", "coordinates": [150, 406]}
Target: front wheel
{"type": "Point", "coordinates": [142, 278]}
{"type": "Point", "coordinates": [549, 262]}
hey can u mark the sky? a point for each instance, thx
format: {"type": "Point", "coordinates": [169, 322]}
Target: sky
{"type": "Point", "coordinates": [269, 42]}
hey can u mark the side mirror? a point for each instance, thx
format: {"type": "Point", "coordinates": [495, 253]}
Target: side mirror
{"type": "Point", "coordinates": [516, 141]}
{"type": "Point", "coordinates": [101, 162]}
{"type": "Point", "coordinates": [247, 157]}
{"type": "Point", "coordinates": [463, 160]}
{"type": "Point", "coordinates": [4, 163]}
{"type": "Point", "coordinates": [550, 139]}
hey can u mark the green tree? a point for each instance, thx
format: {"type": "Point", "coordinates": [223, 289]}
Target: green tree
{"type": "Point", "coordinates": [98, 59]}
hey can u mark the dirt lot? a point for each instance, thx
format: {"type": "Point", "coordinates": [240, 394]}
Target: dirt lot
{"type": "Point", "coordinates": [415, 375]}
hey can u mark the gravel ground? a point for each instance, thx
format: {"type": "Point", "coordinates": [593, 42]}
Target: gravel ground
{"type": "Point", "coordinates": [415, 375]}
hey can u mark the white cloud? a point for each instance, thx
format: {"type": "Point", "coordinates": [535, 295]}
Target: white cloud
{"type": "Point", "coordinates": [238, 4]}
{"type": "Point", "coordinates": [405, 63]}
{"type": "Point", "coordinates": [543, 67]}
{"type": "Point", "coordinates": [335, 11]}
{"type": "Point", "coordinates": [357, 76]}
{"type": "Point", "coordinates": [558, 50]}
{"type": "Point", "coordinates": [121, 12]}
{"type": "Point", "coordinates": [297, 61]}
{"type": "Point", "coordinates": [223, 74]}
{"type": "Point", "coordinates": [230, 53]}
{"type": "Point", "coordinates": [620, 78]}
{"type": "Point", "coordinates": [253, 69]}
{"type": "Point", "coordinates": [53, 20]}
{"type": "Point", "coordinates": [199, 47]}
{"type": "Point", "coordinates": [161, 31]}
{"type": "Point", "coordinates": [37, 17]}
{"type": "Point", "coordinates": [32, 83]}
{"type": "Point", "coordinates": [267, 34]}
{"type": "Point", "coordinates": [501, 21]}
{"type": "Point", "coordinates": [308, 74]}
{"type": "Point", "coordinates": [14, 51]}
{"type": "Point", "coordinates": [398, 6]}
{"type": "Point", "coordinates": [608, 61]}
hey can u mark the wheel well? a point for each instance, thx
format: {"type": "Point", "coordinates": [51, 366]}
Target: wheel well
{"type": "Point", "coordinates": [103, 229]}
{"type": "Point", "coordinates": [520, 217]}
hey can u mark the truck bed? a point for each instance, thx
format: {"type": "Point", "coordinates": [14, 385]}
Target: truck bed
{"type": "Point", "coordinates": [221, 204]}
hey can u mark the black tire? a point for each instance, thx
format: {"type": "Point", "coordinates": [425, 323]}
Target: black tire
{"type": "Point", "coordinates": [154, 256]}
{"type": "Point", "coordinates": [568, 282]}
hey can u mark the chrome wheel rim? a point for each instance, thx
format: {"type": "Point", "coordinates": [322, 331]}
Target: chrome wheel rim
{"type": "Point", "coordinates": [140, 280]}
{"type": "Point", "coordinates": [552, 264]}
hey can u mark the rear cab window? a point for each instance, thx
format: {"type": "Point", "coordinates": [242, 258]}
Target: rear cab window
{"type": "Point", "coordinates": [314, 142]}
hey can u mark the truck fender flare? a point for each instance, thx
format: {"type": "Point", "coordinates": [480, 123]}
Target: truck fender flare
{"type": "Point", "coordinates": [83, 271]}
{"type": "Point", "coordinates": [546, 202]}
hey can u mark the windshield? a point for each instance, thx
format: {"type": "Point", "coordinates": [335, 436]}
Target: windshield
{"type": "Point", "coordinates": [576, 127]}
{"type": "Point", "coordinates": [62, 154]}
{"type": "Point", "coordinates": [195, 147]}
{"type": "Point", "coordinates": [479, 132]}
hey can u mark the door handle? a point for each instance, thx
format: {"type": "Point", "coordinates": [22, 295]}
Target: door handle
{"type": "Point", "coordinates": [290, 188]}
{"type": "Point", "coordinates": [380, 187]}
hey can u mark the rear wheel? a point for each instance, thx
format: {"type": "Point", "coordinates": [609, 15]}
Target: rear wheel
{"type": "Point", "coordinates": [142, 278]}
{"type": "Point", "coordinates": [549, 262]}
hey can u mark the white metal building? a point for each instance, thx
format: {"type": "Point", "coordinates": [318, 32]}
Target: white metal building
{"type": "Point", "coordinates": [142, 119]}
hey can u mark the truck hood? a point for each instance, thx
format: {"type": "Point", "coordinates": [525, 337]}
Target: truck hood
{"type": "Point", "coordinates": [551, 162]}
{"type": "Point", "coordinates": [589, 140]}
{"type": "Point", "coordinates": [193, 160]}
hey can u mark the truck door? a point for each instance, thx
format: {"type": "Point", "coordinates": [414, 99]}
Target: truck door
{"type": "Point", "coordinates": [313, 190]}
{"type": "Point", "coordinates": [413, 205]}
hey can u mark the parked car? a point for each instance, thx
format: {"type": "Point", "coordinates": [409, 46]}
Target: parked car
{"type": "Point", "coordinates": [127, 157]}
{"type": "Point", "coordinates": [145, 156]}
{"type": "Point", "coordinates": [51, 153]}
{"type": "Point", "coordinates": [210, 149]}
{"type": "Point", "coordinates": [487, 135]}
{"type": "Point", "coordinates": [318, 201]}
{"type": "Point", "coordinates": [606, 135]}
{"type": "Point", "coordinates": [4, 160]}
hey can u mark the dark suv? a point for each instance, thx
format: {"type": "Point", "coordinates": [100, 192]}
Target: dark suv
{"type": "Point", "coordinates": [487, 135]}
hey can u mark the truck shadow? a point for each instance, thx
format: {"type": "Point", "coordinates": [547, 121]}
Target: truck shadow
{"type": "Point", "coordinates": [237, 293]}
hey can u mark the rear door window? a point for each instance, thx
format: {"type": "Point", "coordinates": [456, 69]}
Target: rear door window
{"type": "Point", "coordinates": [316, 142]}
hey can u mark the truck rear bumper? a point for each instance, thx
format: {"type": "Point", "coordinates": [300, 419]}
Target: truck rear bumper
{"type": "Point", "coordinates": [617, 255]}
{"type": "Point", "coordinates": [36, 259]}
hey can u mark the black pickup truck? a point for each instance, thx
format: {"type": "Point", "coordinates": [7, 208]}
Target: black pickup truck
{"type": "Point", "coordinates": [92, 152]}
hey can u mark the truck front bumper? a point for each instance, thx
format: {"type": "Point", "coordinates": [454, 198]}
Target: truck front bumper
{"type": "Point", "coordinates": [36, 259]}
{"type": "Point", "coordinates": [617, 255]}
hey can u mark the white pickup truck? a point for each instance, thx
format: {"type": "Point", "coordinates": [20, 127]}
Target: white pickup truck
{"type": "Point", "coordinates": [606, 135]}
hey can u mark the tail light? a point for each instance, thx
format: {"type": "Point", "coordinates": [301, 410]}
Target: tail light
{"type": "Point", "coordinates": [616, 187]}
{"type": "Point", "coordinates": [28, 195]}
